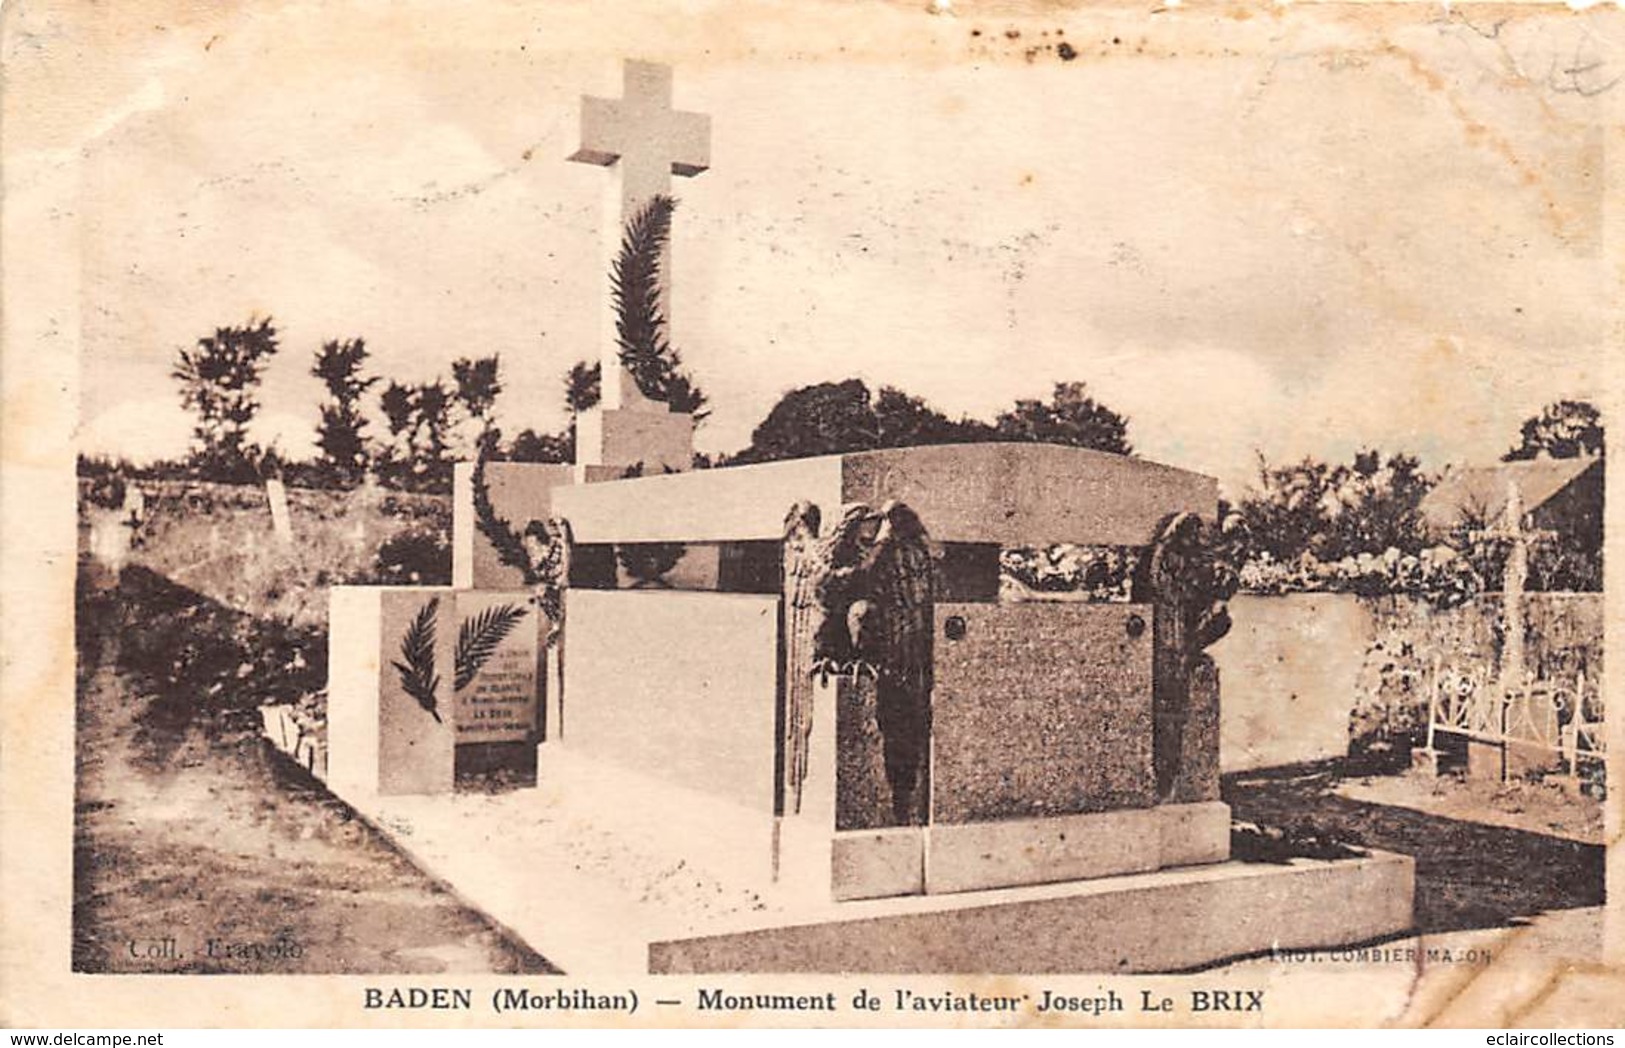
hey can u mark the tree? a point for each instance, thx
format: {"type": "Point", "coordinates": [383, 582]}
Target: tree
{"type": "Point", "coordinates": [640, 327]}
{"type": "Point", "coordinates": [419, 421]}
{"type": "Point", "coordinates": [905, 421]}
{"type": "Point", "coordinates": [531, 446]}
{"type": "Point", "coordinates": [397, 404]}
{"type": "Point", "coordinates": [1284, 513]}
{"type": "Point", "coordinates": [431, 406]}
{"type": "Point", "coordinates": [1563, 429]}
{"type": "Point", "coordinates": [219, 379]}
{"type": "Point", "coordinates": [836, 417]}
{"type": "Point", "coordinates": [340, 433]}
{"type": "Point", "coordinates": [1071, 417]}
{"type": "Point", "coordinates": [1374, 504]}
{"type": "Point", "coordinates": [824, 419]}
{"type": "Point", "coordinates": [477, 385]}
{"type": "Point", "coordinates": [1369, 506]}
{"type": "Point", "coordinates": [583, 387]}
{"type": "Point", "coordinates": [396, 460]}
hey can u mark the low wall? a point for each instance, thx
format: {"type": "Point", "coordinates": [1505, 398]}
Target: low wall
{"type": "Point", "coordinates": [1563, 644]}
{"type": "Point", "coordinates": [1301, 673]}
{"type": "Point", "coordinates": [1288, 674]}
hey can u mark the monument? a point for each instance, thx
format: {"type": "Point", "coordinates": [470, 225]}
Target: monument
{"type": "Point", "coordinates": [431, 686]}
{"type": "Point", "coordinates": [829, 709]}
{"type": "Point", "coordinates": [646, 142]}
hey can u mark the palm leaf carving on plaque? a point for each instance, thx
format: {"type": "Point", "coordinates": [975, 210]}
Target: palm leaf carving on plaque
{"type": "Point", "coordinates": [479, 636]}
{"type": "Point", "coordinates": [418, 676]}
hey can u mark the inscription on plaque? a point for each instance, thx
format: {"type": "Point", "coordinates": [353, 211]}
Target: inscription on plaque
{"type": "Point", "coordinates": [495, 686]}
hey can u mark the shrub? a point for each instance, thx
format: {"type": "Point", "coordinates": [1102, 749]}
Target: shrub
{"type": "Point", "coordinates": [414, 557]}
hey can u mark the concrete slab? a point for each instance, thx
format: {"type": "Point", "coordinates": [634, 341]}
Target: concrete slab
{"type": "Point", "coordinates": [1010, 493]}
{"type": "Point", "coordinates": [520, 493]}
{"type": "Point", "coordinates": [707, 505]}
{"type": "Point", "coordinates": [381, 737]}
{"type": "Point", "coordinates": [1171, 920]}
{"type": "Point", "coordinates": [497, 702]}
{"type": "Point", "coordinates": [968, 856]}
{"type": "Point", "coordinates": [1192, 834]}
{"type": "Point", "coordinates": [599, 888]}
{"type": "Point", "coordinates": [680, 686]}
{"type": "Point", "coordinates": [1041, 709]}
{"type": "Point", "coordinates": [660, 440]}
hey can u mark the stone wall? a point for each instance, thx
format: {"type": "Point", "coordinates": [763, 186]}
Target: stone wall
{"type": "Point", "coordinates": [1288, 672]}
{"type": "Point", "coordinates": [1301, 672]}
{"type": "Point", "coordinates": [1410, 639]}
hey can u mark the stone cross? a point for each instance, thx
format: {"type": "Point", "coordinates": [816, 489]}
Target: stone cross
{"type": "Point", "coordinates": [648, 142]}
{"type": "Point", "coordinates": [1515, 579]}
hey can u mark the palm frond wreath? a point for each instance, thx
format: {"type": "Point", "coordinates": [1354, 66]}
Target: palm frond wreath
{"type": "Point", "coordinates": [417, 672]}
{"type": "Point", "coordinates": [508, 543]}
{"type": "Point", "coordinates": [640, 327]}
{"type": "Point", "coordinates": [548, 573]}
{"type": "Point", "coordinates": [479, 637]}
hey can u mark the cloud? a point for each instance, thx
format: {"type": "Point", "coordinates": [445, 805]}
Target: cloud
{"type": "Point", "coordinates": [1199, 407]}
{"type": "Point", "coordinates": [293, 437]}
{"type": "Point", "coordinates": [140, 430]}
{"type": "Point", "coordinates": [150, 429]}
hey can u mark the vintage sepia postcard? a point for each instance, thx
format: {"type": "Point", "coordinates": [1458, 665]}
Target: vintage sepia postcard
{"type": "Point", "coordinates": [976, 513]}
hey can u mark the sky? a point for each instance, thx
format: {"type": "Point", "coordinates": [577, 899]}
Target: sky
{"type": "Point", "coordinates": [1290, 233]}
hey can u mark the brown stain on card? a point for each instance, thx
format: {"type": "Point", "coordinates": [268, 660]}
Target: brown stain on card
{"type": "Point", "coordinates": [1564, 220]}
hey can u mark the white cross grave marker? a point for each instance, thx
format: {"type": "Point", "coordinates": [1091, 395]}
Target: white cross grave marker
{"type": "Point", "coordinates": [645, 139]}
{"type": "Point", "coordinates": [281, 523]}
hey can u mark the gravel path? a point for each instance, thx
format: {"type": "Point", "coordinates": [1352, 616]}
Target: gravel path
{"type": "Point", "coordinates": [196, 849]}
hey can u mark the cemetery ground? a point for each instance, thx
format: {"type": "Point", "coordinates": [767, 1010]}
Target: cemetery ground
{"type": "Point", "coordinates": [190, 828]}
{"type": "Point", "coordinates": [1487, 854]}
{"type": "Point", "coordinates": [196, 849]}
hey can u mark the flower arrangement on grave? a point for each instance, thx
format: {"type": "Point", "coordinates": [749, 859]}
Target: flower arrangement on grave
{"type": "Point", "coordinates": [1438, 574]}
{"type": "Point", "coordinates": [1067, 571]}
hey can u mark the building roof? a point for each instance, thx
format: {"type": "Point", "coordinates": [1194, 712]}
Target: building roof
{"type": "Point", "coordinates": [1480, 492]}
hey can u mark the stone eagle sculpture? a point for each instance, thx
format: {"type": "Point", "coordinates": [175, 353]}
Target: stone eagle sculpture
{"type": "Point", "coordinates": [803, 613]}
{"type": "Point", "coordinates": [1188, 578]}
{"type": "Point", "coordinates": [858, 603]}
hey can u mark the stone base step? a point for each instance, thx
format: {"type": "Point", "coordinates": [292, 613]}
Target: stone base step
{"type": "Point", "coordinates": [598, 890]}
{"type": "Point", "coordinates": [1170, 920]}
